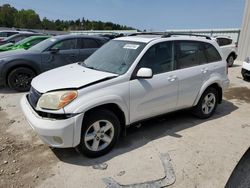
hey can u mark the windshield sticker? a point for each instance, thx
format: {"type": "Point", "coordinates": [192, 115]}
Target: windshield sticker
{"type": "Point", "coordinates": [131, 46]}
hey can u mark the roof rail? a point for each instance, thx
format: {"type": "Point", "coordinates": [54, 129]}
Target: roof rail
{"type": "Point", "coordinates": [165, 35]}
{"type": "Point", "coordinates": [147, 33]}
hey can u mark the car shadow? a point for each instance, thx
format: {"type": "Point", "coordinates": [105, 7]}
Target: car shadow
{"type": "Point", "coordinates": [168, 125]}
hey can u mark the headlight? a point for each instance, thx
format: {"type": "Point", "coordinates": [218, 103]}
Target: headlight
{"type": "Point", "coordinates": [56, 100]}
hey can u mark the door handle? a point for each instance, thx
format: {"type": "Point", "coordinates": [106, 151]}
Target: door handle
{"type": "Point", "coordinates": [172, 78]}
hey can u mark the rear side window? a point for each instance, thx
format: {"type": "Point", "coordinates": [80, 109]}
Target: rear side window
{"type": "Point", "coordinates": [189, 54]}
{"type": "Point", "coordinates": [11, 33]}
{"type": "Point", "coordinates": [90, 43]}
{"type": "Point", "coordinates": [212, 55]}
{"type": "Point", "coordinates": [224, 41]}
{"type": "Point", "coordinates": [68, 44]}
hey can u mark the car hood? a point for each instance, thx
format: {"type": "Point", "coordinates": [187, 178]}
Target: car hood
{"type": "Point", "coordinates": [72, 76]}
{"type": "Point", "coordinates": [12, 53]}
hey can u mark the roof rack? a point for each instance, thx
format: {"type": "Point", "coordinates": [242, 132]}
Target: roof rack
{"type": "Point", "coordinates": [165, 35]}
{"type": "Point", "coordinates": [147, 33]}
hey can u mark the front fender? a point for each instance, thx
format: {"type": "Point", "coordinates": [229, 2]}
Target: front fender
{"type": "Point", "coordinates": [209, 82]}
{"type": "Point", "coordinates": [9, 65]}
{"type": "Point", "coordinates": [99, 101]}
{"type": "Point", "coordinates": [102, 101]}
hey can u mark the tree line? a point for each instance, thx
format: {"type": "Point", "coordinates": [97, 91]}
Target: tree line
{"type": "Point", "coordinates": [11, 17]}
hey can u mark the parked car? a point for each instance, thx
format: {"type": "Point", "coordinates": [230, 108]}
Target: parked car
{"type": "Point", "coordinates": [18, 67]}
{"type": "Point", "coordinates": [23, 44]}
{"type": "Point", "coordinates": [229, 49]}
{"type": "Point", "coordinates": [17, 37]}
{"type": "Point", "coordinates": [7, 33]}
{"type": "Point", "coordinates": [245, 71]}
{"type": "Point", "coordinates": [130, 79]}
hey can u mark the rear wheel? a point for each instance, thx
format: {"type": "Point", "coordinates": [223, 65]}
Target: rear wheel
{"type": "Point", "coordinates": [207, 104]}
{"type": "Point", "coordinates": [100, 132]}
{"type": "Point", "coordinates": [20, 78]}
{"type": "Point", "coordinates": [230, 60]}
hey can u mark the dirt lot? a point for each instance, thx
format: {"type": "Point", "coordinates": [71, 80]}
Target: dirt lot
{"type": "Point", "coordinates": [203, 152]}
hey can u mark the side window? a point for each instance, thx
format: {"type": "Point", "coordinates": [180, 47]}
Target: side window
{"type": "Point", "coordinates": [36, 41]}
{"type": "Point", "coordinates": [211, 53]}
{"type": "Point", "coordinates": [19, 38]}
{"type": "Point", "coordinates": [66, 44]}
{"type": "Point", "coordinates": [159, 58]}
{"type": "Point", "coordinates": [224, 41]}
{"type": "Point", "coordinates": [90, 43]}
{"type": "Point", "coordinates": [189, 54]}
{"type": "Point", "coordinates": [8, 34]}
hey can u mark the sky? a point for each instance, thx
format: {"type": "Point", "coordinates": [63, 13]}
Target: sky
{"type": "Point", "coordinates": [153, 15]}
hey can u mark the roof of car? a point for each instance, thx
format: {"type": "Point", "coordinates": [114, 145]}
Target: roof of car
{"type": "Point", "coordinates": [70, 36]}
{"type": "Point", "coordinates": [144, 38]}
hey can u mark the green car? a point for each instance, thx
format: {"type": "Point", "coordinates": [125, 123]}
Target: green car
{"type": "Point", "coordinates": [23, 44]}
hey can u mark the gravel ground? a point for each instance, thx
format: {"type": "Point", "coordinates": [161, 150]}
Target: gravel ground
{"type": "Point", "coordinates": [203, 152]}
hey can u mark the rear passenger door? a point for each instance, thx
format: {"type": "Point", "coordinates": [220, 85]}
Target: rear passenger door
{"type": "Point", "coordinates": [88, 46]}
{"type": "Point", "coordinates": [213, 63]}
{"type": "Point", "coordinates": [188, 57]}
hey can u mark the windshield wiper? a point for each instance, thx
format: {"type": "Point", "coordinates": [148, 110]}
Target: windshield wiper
{"type": "Point", "coordinates": [83, 64]}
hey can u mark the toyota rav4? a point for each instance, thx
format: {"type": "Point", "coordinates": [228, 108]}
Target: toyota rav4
{"type": "Point", "coordinates": [88, 104]}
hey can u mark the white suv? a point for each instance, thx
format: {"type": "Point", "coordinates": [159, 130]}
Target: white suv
{"type": "Point", "coordinates": [130, 79]}
{"type": "Point", "coordinates": [228, 48]}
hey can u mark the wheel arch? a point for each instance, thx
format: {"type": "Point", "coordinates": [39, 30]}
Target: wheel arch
{"type": "Point", "coordinates": [216, 85]}
{"type": "Point", "coordinates": [113, 107]}
{"type": "Point", "coordinates": [233, 54]}
{"type": "Point", "coordinates": [17, 64]}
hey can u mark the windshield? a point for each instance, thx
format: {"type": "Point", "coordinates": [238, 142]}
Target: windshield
{"type": "Point", "coordinates": [115, 56]}
{"type": "Point", "coordinates": [43, 45]}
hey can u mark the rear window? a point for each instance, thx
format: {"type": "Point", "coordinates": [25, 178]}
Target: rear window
{"type": "Point", "coordinates": [90, 43]}
{"type": "Point", "coordinates": [224, 41]}
{"type": "Point", "coordinates": [211, 53]}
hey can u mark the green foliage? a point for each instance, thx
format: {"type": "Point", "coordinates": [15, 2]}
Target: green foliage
{"type": "Point", "coordinates": [11, 17]}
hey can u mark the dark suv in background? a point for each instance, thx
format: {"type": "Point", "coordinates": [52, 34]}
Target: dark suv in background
{"type": "Point", "coordinates": [19, 67]}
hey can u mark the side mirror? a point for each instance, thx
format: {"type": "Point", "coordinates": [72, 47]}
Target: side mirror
{"type": "Point", "coordinates": [54, 50]}
{"type": "Point", "coordinates": [27, 45]}
{"type": "Point", "coordinates": [144, 73]}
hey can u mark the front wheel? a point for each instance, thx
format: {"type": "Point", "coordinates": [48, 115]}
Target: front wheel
{"type": "Point", "coordinates": [20, 78]}
{"type": "Point", "coordinates": [100, 132]}
{"type": "Point", "coordinates": [207, 104]}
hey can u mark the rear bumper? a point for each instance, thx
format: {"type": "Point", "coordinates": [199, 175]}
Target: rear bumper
{"type": "Point", "coordinates": [54, 132]}
{"type": "Point", "coordinates": [225, 84]}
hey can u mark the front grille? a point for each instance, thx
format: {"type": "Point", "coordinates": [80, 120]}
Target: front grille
{"type": "Point", "coordinates": [33, 97]}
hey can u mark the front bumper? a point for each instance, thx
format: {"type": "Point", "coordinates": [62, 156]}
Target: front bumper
{"type": "Point", "coordinates": [56, 133]}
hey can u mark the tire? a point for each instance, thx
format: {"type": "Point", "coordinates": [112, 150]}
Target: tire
{"type": "Point", "coordinates": [230, 60]}
{"type": "Point", "coordinates": [243, 73]}
{"type": "Point", "coordinates": [99, 141]}
{"type": "Point", "coordinates": [205, 109]}
{"type": "Point", "coordinates": [20, 79]}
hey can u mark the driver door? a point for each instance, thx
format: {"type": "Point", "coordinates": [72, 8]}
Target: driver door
{"type": "Point", "coordinates": [157, 95]}
{"type": "Point", "coordinates": [62, 53]}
